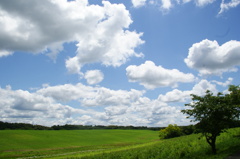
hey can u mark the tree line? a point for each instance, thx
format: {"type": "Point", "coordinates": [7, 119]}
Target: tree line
{"type": "Point", "coordinates": [26, 126]}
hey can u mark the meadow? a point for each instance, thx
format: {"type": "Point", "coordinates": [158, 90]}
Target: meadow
{"type": "Point", "coordinates": [97, 144]}
{"type": "Point", "coordinates": [27, 143]}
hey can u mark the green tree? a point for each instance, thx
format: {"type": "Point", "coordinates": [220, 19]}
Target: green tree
{"type": "Point", "coordinates": [214, 114]}
{"type": "Point", "coordinates": [170, 132]}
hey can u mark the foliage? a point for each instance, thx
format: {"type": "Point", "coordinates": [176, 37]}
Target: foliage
{"type": "Point", "coordinates": [21, 126]}
{"type": "Point", "coordinates": [184, 147]}
{"type": "Point", "coordinates": [187, 130]}
{"type": "Point", "coordinates": [214, 114]}
{"type": "Point", "coordinates": [170, 132]}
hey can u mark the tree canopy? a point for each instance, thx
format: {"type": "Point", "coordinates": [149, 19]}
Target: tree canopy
{"type": "Point", "coordinates": [214, 114]}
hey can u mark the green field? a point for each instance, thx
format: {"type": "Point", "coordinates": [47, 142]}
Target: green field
{"type": "Point", "coordinates": [111, 144]}
{"type": "Point", "coordinates": [22, 143]}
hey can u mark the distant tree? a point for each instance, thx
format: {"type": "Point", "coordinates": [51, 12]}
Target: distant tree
{"type": "Point", "coordinates": [187, 130]}
{"type": "Point", "coordinates": [170, 132]}
{"type": "Point", "coordinates": [214, 114]}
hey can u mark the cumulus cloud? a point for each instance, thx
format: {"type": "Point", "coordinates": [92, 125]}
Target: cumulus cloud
{"type": "Point", "coordinates": [199, 88]}
{"type": "Point", "coordinates": [151, 76]}
{"type": "Point", "coordinates": [108, 42]}
{"type": "Point", "coordinates": [94, 76]}
{"type": "Point", "coordinates": [166, 4]}
{"type": "Point", "coordinates": [107, 97]}
{"type": "Point", "coordinates": [174, 96]}
{"type": "Point", "coordinates": [90, 96]}
{"type": "Point", "coordinates": [101, 32]}
{"type": "Point", "coordinates": [45, 106]}
{"type": "Point", "coordinates": [33, 32]}
{"type": "Point", "coordinates": [138, 3]}
{"type": "Point", "coordinates": [23, 106]}
{"type": "Point", "coordinates": [228, 5]}
{"type": "Point", "coordinates": [211, 59]}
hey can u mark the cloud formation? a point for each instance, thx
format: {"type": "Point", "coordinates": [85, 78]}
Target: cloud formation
{"type": "Point", "coordinates": [151, 76]}
{"type": "Point", "coordinates": [94, 76]}
{"type": "Point", "coordinates": [138, 3]}
{"type": "Point", "coordinates": [199, 88]}
{"type": "Point", "coordinates": [45, 106]}
{"type": "Point", "coordinates": [209, 58]}
{"type": "Point", "coordinates": [228, 5]}
{"type": "Point", "coordinates": [97, 105]}
{"type": "Point", "coordinates": [101, 32]}
{"type": "Point", "coordinates": [202, 3]}
{"type": "Point", "coordinates": [90, 96]}
{"type": "Point", "coordinates": [166, 5]}
{"type": "Point", "coordinates": [23, 106]}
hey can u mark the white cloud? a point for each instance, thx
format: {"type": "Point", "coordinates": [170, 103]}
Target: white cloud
{"type": "Point", "coordinates": [90, 96]}
{"type": "Point", "coordinates": [113, 110]}
{"type": "Point", "coordinates": [202, 3]}
{"type": "Point", "coordinates": [166, 4]}
{"type": "Point", "coordinates": [68, 92]}
{"type": "Point", "coordinates": [23, 106]}
{"type": "Point", "coordinates": [106, 97]}
{"type": "Point", "coordinates": [73, 65]}
{"type": "Point", "coordinates": [224, 84]}
{"type": "Point", "coordinates": [22, 31]}
{"type": "Point", "coordinates": [101, 31]}
{"type": "Point", "coordinates": [174, 96]}
{"type": "Point", "coordinates": [199, 88]}
{"type": "Point", "coordinates": [204, 85]}
{"type": "Point", "coordinates": [151, 76]}
{"type": "Point", "coordinates": [5, 53]}
{"type": "Point", "coordinates": [109, 42]}
{"type": "Point", "coordinates": [186, 1]}
{"type": "Point", "coordinates": [138, 3]}
{"type": "Point", "coordinates": [113, 107]}
{"type": "Point", "coordinates": [199, 3]}
{"type": "Point", "coordinates": [211, 59]}
{"type": "Point", "coordinates": [226, 6]}
{"type": "Point", "coordinates": [94, 76]}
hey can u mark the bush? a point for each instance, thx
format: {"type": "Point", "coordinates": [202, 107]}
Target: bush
{"type": "Point", "coordinates": [187, 130]}
{"type": "Point", "coordinates": [170, 132]}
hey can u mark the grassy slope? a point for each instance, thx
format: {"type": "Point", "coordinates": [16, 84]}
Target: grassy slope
{"type": "Point", "coordinates": [183, 147]}
{"type": "Point", "coordinates": [45, 142]}
{"type": "Point", "coordinates": [113, 144]}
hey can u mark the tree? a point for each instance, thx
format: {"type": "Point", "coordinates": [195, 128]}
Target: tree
{"type": "Point", "coordinates": [170, 132]}
{"type": "Point", "coordinates": [214, 114]}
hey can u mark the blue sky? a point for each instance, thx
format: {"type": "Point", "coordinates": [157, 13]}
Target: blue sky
{"type": "Point", "coordinates": [114, 62]}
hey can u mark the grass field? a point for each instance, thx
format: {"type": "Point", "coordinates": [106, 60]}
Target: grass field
{"type": "Point", "coordinates": [26, 143]}
{"type": "Point", "coordinates": [97, 144]}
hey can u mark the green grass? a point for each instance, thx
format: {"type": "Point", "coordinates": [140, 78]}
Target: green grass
{"type": "Point", "coordinates": [110, 144]}
{"type": "Point", "coordinates": [176, 148]}
{"type": "Point", "coordinates": [24, 143]}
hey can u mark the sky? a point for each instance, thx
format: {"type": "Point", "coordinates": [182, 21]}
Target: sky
{"type": "Point", "coordinates": [116, 62]}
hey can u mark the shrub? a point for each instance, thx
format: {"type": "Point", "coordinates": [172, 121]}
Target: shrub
{"type": "Point", "coordinates": [170, 132]}
{"type": "Point", "coordinates": [187, 130]}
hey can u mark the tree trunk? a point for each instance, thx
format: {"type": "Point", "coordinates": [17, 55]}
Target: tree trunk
{"type": "Point", "coordinates": [212, 142]}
